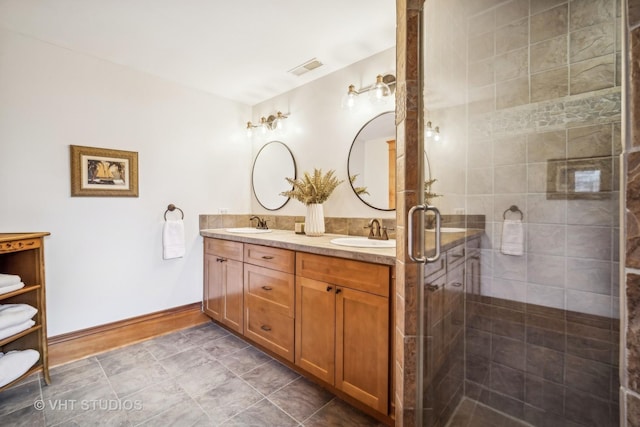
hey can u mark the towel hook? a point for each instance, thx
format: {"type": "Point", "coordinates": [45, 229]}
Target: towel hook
{"type": "Point", "coordinates": [172, 208]}
{"type": "Point", "coordinates": [514, 209]}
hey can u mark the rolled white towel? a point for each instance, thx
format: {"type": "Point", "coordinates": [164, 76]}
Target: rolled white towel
{"type": "Point", "coordinates": [11, 288]}
{"type": "Point", "coordinates": [9, 279]}
{"type": "Point", "coordinates": [512, 237]}
{"type": "Point", "coordinates": [14, 314]}
{"type": "Point", "coordinates": [15, 363]}
{"type": "Point", "coordinates": [173, 239]}
{"type": "Point", "coordinates": [16, 329]}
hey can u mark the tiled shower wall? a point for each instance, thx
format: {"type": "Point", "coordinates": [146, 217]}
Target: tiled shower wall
{"type": "Point", "coordinates": [630, 392]}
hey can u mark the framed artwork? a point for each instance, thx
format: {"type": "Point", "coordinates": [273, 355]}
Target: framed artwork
{"type": "Point", "coordinates": [102, 172]}
{"type": "Point", "coordinates": [580, 178]}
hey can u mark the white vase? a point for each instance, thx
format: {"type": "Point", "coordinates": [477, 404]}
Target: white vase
{"type": "Point", "coordinates": [314, 220]}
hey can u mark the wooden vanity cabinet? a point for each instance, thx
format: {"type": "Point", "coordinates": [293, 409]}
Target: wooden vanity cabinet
{"type": "Point", "coordinates": [269, 298]}
{"type": "Point", "coordinates": [223, 278]}
{"type": "Point", "coordinates": [342, 325]}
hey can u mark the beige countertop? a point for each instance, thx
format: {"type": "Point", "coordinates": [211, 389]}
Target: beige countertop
{"type": "Point", "coordinates": [322, 245]}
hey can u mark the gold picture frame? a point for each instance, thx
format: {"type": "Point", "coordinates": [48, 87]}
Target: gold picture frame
{"type": "Point", "coordinates": [103, 172]}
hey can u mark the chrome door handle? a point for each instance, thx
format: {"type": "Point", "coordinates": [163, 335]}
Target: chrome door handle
{"type": "Point", "coordinates": [410, 233]}
{"type": "Point", "coordinates": [438, 221]}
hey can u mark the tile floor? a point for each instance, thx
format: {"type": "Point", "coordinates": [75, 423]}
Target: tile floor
{"type": "Point", "coordinates": [470, 413]}
{"type": "Point", "coordinates": [202, 376]}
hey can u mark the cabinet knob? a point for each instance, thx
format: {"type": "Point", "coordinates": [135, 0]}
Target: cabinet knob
{"type": "Point", "coordinates": [329, 288]}
{"type": "Point", "coordinates": [267, 288]}
{"type": "Point", "coordinates": [265, 328]}
{"type": "Point", "coordinates": [267, 257]}
{"type": "Point", "coordinates": [338, 290]}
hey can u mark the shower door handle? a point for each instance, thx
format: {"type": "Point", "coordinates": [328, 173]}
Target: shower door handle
{"type": "Point", "coordinates": [423, 208]}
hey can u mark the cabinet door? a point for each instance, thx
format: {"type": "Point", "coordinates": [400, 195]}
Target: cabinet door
{"type": "Point", "coordinates": [233, 313]}
{"type": "Point", "coordinates": [213, 287]}
{"type": "Point", "coordinates": [315, 328]}
{"type": "Point", "coordinates": [362, 347]}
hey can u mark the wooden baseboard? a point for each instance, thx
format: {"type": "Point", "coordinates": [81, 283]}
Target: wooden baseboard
{"type": "Point", "coordinates": [77, 345]}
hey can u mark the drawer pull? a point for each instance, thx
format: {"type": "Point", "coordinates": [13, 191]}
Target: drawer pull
{"type": "Point", "coordinates": [432, 288]}
{"type": "Point", "coordinates": [220, 260]}
{"type": "Point", "coordinates": [456, 284]}
{"type": "Point", "coordinates": [475, 257]}
{"type": "Point", "coordinates": [267, 257]}
{"type": "Point", "coordinates": [267, 288]}
{"type": "Point", "coordinates": [458, 255]}
{"type": "Point", "coordinates": [338, 291]}
{"type": "Point", "coordinates": [31, 243]}
{"type": "Point", "coordinates": [265, 328]}
{"type": "Point", "coordinates": [329, 288]}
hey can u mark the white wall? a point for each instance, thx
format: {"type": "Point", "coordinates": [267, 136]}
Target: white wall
{"type": "Point", "coordinates": [103, 258]}
{"type": "Point", "coordinates": [319, 133]}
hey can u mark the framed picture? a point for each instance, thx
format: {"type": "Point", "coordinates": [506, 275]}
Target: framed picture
{"type": "Point", "coordinates": [102, 172]}
{"type": "Point", "coordinates": [580, 178]}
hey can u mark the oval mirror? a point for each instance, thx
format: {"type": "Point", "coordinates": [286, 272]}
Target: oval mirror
{"type": "Point", "coordinates": [372, 162]}
{"type": "Point", "coordinates": [272, 164]}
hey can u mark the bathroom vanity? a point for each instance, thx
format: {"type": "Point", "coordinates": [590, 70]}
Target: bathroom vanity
{"type": "Point", "coordinates": [326, 310]}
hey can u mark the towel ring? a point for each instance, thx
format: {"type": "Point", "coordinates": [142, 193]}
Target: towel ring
{"type": "Point", "coordinates": [172, 208]}
{"type": "Point", "coordinates": [514, 209]}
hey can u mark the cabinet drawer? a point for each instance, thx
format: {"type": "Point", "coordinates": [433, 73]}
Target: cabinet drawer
{"type": "Point", "coordinates": [223, 248]}
{"type": "Point", "coordinates": [364, 276]}
{"type": "Point", "coordinates": [268, 327]}
{"type": "Point", "coordinates": [274, 258]}
{"type": "Point", "coordinates": [434, 269]}
{"type": "Point", "coordinates": [272, 286]}
{"type": "Point", "coordinates": [19, 245]}
{"type": "Point", "coordinates": [455, 256]}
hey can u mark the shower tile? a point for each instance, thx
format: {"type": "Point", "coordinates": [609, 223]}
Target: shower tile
{"type": "Point", "coordinates": [512, 93]}
{"type": "Point", "coordinates": [589, 302]}
{"type": "Point", "coordinates": [481, 23]}
{"type": "Point", "coordinates": [510, 179]}
{"type": "Point", "coordinates": [540, 5]}
{"type": "Point", "coordinates": [588, 376]}
{"type": "Point", "coordinates": [509, 290]}
{"type": "Point", "coordinates": [588, 348]}
{"type": "Point", "coordinates": [549, 84]}
{"type": "Point", "coordinates": [509, 151]}
{"type": "Point", "coordinates": [550, 23]}
{"type": "Point", "coordinates": [592, 74]}
{"type": "Point", "coordinates": [632, 231]}
{"type": "Point", "coordinates": [481, 47]}
{"type": "Point", "coordinates": [481, 101]}
{"type": "Point", "coordinates": [537, 177]}
{"type": "Point", "coordinates": [509, 406]}
{"type": "Point", "coordinates": [480, 181]}
{"type": "Point", "coordinates": [483, 73]}
{"type": "Point", "coordinates": [552, 339]}
{"type": "Point", "coordinates": [510, 65]}
{"type": "Point", "coordinates": [591, 212]}
{"type": "Point", "coordinates": [545, 395]}
{"type": "Point", "coordinates": [546, 269]}
{"type": "Point", "coordinates": [511, 11]}
{"type": "Point", "coordinates": [549, 54]}
{"type": "Point", "coordinates": [586, 13]}
{"type": "Point", "coordinates": [546, 145]}
{"type": "Point", "coordinates": [545, 363]}
{"type": "Point", "coordinates": [591, 42]}
{"type": "Point", "coordinates": [512, 36]}
{"type": "Point", "coordinates": [632, 332]}
{"type": "Point", "coordinates": [589, 242]}
{"type": "Point", "coordinates": [477, 369]}
{"type": "Point", "coordinates": [585, 409]}
{"type": "Point", "coordinates": [590, 141]}
{"type": "Point", "coordinates": [589, 275]}
{"type": "Point", "coordinates": [543, 211]}
{"type": "Point", "coordinates": [548, 296]}
{"type": "Point", "coordinates": [508, 352]}
{"type": "Point", "coordinates": [546, 239]}
{"type": "Point", "coordinates": [509, 267]}
{"type": "Point", "coordinates": [633, 410]}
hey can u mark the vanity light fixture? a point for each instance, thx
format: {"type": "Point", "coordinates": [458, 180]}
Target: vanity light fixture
{"type": "Point", "coordinates": [432, 132]}
{"type": "Point", "coordinates": [379, 91]}
{"type": "Point", "coordinates": [268, 123]}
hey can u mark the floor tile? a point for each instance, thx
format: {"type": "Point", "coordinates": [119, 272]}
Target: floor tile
{"type": "Point", "coordinates": [262, 414]}
{"type": "Point", "coordinates": [135, 379]}
{"type": "Point", "coordinates": [270, 377]}
{"type": "Point", "coordinates": [126, 358]}
{"type": "Point", "coordinates": [190, 358]}
{"type": "Point", "coordinates": [73, 376]}
{"type": "Point", "coordinates": [98, 418]}
{"type": "Point", "coordinates": [203, 334]}
{"type": "Point", "coordinates": [339, 414]}
{"type": "Point", "coordinates": [223, 346]}
{"type": "Point", "coordinates": [68, 405]}
{"type": "Point", "coordinates": [168, 345]}
{"type": "Point", "coordinates": [19, 396]}
{"type": "Point", "coordinates": [228, 399]}
{"type": "Point", "coordinates": [152, 401]}
{"type": "Point", "coordinates": [25, 417]}
{"type": "Point", "coordinates": [245, 360]}
{"type": "Point", "coordinates": [198, 380]}
{"type": "Point", "coordinates": [185, 414]}
{"type": "Point", "coordinates": [301, 398]}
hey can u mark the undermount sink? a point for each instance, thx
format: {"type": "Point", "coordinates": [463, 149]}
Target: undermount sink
{"type": "Point", "coordinates": [363, 242]}
{"type": "Point", "coordinates": [449, 230]}
{"type": "Point", "coordinates": [248, 230]}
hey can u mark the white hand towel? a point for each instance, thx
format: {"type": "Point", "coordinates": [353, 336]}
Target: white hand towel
{"type": "Point", "coordinates": [12, 330]}
{"type": "Point", "coordinates": [9, 279]}
{"type": "Point", "coordinates": [14, 314]}
{"type": "Point", "coordinates": [15, 363]}
{"type": "Point", "coordinates": [512, 237]}
{"type": "Point", "coordinates": [173, 239]}
{"type": "Point", "coordinates": [11, 288]}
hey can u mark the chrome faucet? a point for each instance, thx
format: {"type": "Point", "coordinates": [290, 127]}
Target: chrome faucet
{"type": "Point", "coordinates": [374, 230]}
{"type": "Point", "coordinates": [262, 223]}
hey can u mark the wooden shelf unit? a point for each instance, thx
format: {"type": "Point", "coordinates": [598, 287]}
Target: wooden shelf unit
{"type": "Point", "coordinates": [23, 254]}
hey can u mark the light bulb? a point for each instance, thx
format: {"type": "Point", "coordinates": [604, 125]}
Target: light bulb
{"type": "Point", "coordinates": [249, 130]}
{"type": "Point", "coordinates": [436, 136]}
{"type": "Point", "coordinates": [280, 121]}
{"type": "Point", "coordinates": [380, 90]}
{"type": "Point", "coordinates": [350, 98]}
{"type": "Point", "coordinates": [263, 125]}
{"type": "Point", "coordinates": [429, 130]}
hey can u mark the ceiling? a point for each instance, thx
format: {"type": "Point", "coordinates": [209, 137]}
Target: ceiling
{"type": "Point", "coordinates": [237, 49]}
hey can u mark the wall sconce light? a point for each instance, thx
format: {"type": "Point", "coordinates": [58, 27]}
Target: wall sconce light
{"type": "Point", "coordinates": [432, 132]}
{"type": "Point", "coordinates": [379, 91]}
{"type": "Point", "coordinates": [268, 123]}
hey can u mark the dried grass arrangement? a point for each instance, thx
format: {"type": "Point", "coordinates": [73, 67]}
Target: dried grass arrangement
{"type": "Point", "coordinates": [314, 188]}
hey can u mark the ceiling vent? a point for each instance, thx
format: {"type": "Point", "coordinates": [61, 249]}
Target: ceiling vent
{"type": "Point", "coordinates": [311, 64]}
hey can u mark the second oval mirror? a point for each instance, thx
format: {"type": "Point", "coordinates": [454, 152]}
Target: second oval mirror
{"type": "Point", "coordinates": [273, 163]}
